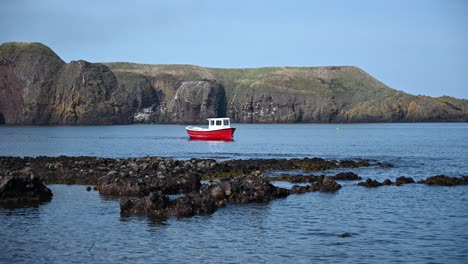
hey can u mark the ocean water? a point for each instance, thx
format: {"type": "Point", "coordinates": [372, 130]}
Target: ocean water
{"type": "Point", "coordinates": [407, 224]}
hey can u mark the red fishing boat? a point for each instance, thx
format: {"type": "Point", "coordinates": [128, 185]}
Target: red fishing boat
{"type": "Point", "coordinates": [218, 129]}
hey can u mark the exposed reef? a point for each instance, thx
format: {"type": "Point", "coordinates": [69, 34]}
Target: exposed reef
{"type": "Point", "coordinates": [146, 184]}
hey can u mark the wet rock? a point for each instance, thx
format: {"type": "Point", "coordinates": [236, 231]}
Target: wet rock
{"type": "Point", "coordinates": [370, 183]}
{"type": "Point", "coordinates": [297, 178]}
{"type": "Point", "coordinates": [254, 188]}
{"type": "Point", "coordinates": [353, 164]}
{"type": "Point", "coordinates": [344, 235]}
{"type": "Point", "coordinates": [387, 182]}
{"type": "Point", "coordinates": [385, 165]}
{"type": "Point", "coordinates": [218, 194]}
{"type": "Point", "coordinates": [329, 185]}
{"type": "Point", "coordinates": [23, 190]}
{"type": "Point", "coordinates": [157, 205]}
{"type": "Point", "coordinates": [404, 180]}
{"type": "Point", "coordinates": [347, 176]}
{"type": "Point", "coordinates": [226, 187]}
{"type": "Point", "coordinates": [297, 189]}
{"type": "Point", "coordinates": [443, 180]}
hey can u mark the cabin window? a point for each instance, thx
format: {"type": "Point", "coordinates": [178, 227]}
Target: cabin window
{"type": "Point", "coordinates": [218, 122]}
{"type": "Point", "coordinates": [226, 122]}
{"type": "Point", "coordinates": [211, 123]}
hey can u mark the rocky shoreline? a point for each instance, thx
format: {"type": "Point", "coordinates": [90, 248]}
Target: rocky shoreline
{"type": "Point", "coordinates": [203, 185]}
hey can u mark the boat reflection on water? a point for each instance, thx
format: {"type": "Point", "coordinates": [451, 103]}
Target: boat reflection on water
{"type": "Point", "coordinates": [212, 141]}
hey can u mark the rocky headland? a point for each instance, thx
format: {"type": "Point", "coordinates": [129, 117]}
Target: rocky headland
{"type": "Point", "coordinates": [38, 88]}
{"type": "Point", "coordinates": [201, 186]}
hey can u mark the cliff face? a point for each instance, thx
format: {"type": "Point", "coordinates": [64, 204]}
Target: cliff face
{"type": "Point", "coordinates": [195, 101]}
{"type": "Point", "coordinates": [37, 87]}
{"type": "Point", "coordinates": [305, 94]}
{"type": "Point", "coordinates": [28, 73]}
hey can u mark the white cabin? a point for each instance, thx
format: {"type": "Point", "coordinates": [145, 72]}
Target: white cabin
{"type": "Point", "coordinates": [219, 123]}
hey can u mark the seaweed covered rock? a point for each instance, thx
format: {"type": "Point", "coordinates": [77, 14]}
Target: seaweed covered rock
{"type": "Point", "coordinates": [370, 183]}
{"type": "Point", "coordinates": [347, 176]}
{"type": "Point", "coordinates": [353, 164]}
{"type": "Point", "coordinates": [443, 180]}
{"type": "Point", "coordinates": [325, 184]}
{"type": "Point", "coordinates": [23, 190]}
{"type": "Point", "coordinates": [253, 188]}
{"type": "Point", "coordinates": [404, 180]}
{"type": "Point", "coordinates": [158, 205]}
{"type": "Point", "coordinates": [297, 178]}
{"type": "Point", "coordinates": [329, 185]}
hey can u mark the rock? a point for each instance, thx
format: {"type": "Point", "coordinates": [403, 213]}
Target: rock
{"type": "Point", "coordinates": [297, 178]}
{"type": "Point", "coordinates": [347, 176]}
{"type": "Point", "coordinates": [344, 235]}
{"type": "Point", "coordinates": [385, 165]}
{"type": "Point", "coordinates": [353, 164]}
{"type": "Point", "coordinates": [157, 205]}
{"type": "Point", "coordinates": [22, 190]}
{"type": "Point", "coordinates": [297, 189]}
{"type": "Point", "coordinates": [254, 188]}
{"type": "Point", "coordinates": [88, 188]}
{"type": "Point", "coordinates": [226, 187]}
{"type": "Point", "coordinates": [218, 194]}
{"type": "Point", "coordinates": [387, 182]}
{"type": "Point", "coordinates": [329, 185]}
{"type": "Point", "coordinates": [404, 180]}
{"type": "Point", "coordinates": [443, 180]}
{"type": "Point", "coordinates": [370, 183]}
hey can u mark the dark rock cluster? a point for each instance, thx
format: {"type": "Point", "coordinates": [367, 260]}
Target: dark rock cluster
{"type": "Point", "coordinates": [325, 184]}
{"type": "Point", "coordinates": [145, 184]}
{"type": "Point", "coordinates": [22, 189]}
{"type": "Point", "coordinates": [370, 183]}
{"type": "Point", "coordinates": [252, 188]}
{"type": "Point", "coordinates": [443, 180]}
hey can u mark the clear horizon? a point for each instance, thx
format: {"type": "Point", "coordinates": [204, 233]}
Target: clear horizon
{"type": "Point", "coordinates": [419, 47]}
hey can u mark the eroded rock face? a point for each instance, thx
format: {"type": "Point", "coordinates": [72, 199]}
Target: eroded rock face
{"type": "Point", "coordinates": [195, 101]}
{"type": "Point", "coordinates": [27, 75]}
{"type": "Point", "coordinates": [16, 190]}
{"type": "Point", "coordinates": [37, 87]}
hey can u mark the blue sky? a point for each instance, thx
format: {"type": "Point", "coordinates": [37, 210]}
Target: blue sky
{"type": "Point", "coordinates": [418, 46]}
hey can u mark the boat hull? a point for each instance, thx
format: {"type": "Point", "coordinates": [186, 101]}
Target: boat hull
{"type": "Point", "coordinates": [218, 134]}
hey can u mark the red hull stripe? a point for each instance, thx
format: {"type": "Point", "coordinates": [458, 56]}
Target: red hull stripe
{"type": "Point", "coordinates": [221, 134]}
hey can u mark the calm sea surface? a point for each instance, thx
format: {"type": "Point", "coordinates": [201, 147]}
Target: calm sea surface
{"type": "Point", "coordinates": [408, 224]}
